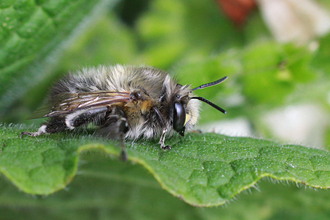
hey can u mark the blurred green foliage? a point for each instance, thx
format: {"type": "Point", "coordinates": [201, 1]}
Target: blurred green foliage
{"type": "Point", "coordinates": [40, 41]}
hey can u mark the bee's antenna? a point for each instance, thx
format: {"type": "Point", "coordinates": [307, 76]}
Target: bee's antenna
{"type": "Point", "coordinates": [210, 103]}
{"type": "Point", "coordinates": [210, 84]}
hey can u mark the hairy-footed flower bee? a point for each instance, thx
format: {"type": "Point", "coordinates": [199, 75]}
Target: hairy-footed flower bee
{"type": "Point", "coordinates": [123, 102]}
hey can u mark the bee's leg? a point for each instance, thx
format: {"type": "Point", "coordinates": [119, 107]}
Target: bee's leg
{"type": "Point", "coordinates": [162, 140]}
{"type": "Point", "coordinates": [55, 125]}
{"type": "Point", "coordinates": [70, 121]}
{"type": "Point", "coordinates": [163, 125]}
{"type": "Point", "coordinates": [41, 130]}
{"type": "Point", "coordinates": [123, 128]}
{"type": "Point", "coordinates": [116, 126]}
{"type": "Point", "coordinates": [85, 116]}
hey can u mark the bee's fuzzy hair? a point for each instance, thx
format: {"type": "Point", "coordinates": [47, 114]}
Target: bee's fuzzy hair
{"type": "Point", "coordinates": [130, 78]}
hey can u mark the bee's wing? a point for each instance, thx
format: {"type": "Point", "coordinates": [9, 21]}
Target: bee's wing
{"type": "Point", "coordinates": [67, 103]}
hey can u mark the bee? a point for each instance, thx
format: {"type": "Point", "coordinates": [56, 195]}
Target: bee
{"type": "Point", "coordinates": [122, 102]}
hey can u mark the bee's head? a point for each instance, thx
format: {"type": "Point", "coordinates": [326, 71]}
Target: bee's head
{"type": "Point", "coordinates": [180, 106]}
{"type": "Point", "coordinates": [185, 107]}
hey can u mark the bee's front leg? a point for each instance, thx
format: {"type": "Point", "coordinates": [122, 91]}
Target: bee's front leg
{"type": "Point", "coordinates": [162, 140]}
{"type": "Point", "coordinates": [162, 123]}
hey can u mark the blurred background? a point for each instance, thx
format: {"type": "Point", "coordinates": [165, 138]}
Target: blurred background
{"type": "Point", "coordinates": [275, 53]}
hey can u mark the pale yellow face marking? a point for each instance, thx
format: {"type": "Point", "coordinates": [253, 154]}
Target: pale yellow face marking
{"type": "Point", "coordinates": [188, 117]}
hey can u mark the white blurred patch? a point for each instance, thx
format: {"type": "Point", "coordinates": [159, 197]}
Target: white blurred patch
{"type": "Point", "coordinates": [302, 124]}
{"type": "Point", "coordinates": [233, 100]}
{"type": "Point", "coordinates": [296, 21]}
{"type": "Point", "coordinates": [233, 127]}
{"type": "Point", "coordinates": [328, 98]}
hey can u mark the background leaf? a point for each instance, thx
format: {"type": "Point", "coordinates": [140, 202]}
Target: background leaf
{"type": "Point", "coordinates": [30, 31]}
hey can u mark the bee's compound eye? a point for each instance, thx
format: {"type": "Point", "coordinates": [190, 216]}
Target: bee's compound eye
{"type": "Point", "coordinates": [179, 117]}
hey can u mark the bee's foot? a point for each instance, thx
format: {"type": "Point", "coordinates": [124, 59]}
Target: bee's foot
{"type": "Point", "coordinates": [123, 156]}
{"type": "Point", "coordinates": [26, 133]}
{"type": "Point", "coordinates": [167, 147]}
{"type": "Point", "coordinates": [41, 130]}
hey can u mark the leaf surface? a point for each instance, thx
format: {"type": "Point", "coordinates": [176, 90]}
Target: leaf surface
{"type": "Point", "coordinates": [202, 169]}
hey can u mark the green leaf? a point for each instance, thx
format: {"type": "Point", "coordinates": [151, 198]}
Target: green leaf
{"type": "Point", "coordinates": [118, 190]}
{"type": "Point", "coordinates": [270, 67]}
{"type": "Point", "coordinates": [321, 58]}
{"type": "Point", "coordinates": [178, 30]}
{"type": "Point", "coordinates": [202, 169]}
{"type": "Point", "coordinates": [30, 30]}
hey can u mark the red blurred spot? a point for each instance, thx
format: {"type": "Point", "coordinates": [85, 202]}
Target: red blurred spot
{"type": "Point", "coordinates": [237, 10]}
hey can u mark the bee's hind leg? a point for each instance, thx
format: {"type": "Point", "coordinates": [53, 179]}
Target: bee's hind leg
{"type": "Point", "coordinates": [55, 125]}
{"type": "Point", "coordinates": [41, 130]}
{"type": "Point", "coordinates": [68, 122]}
